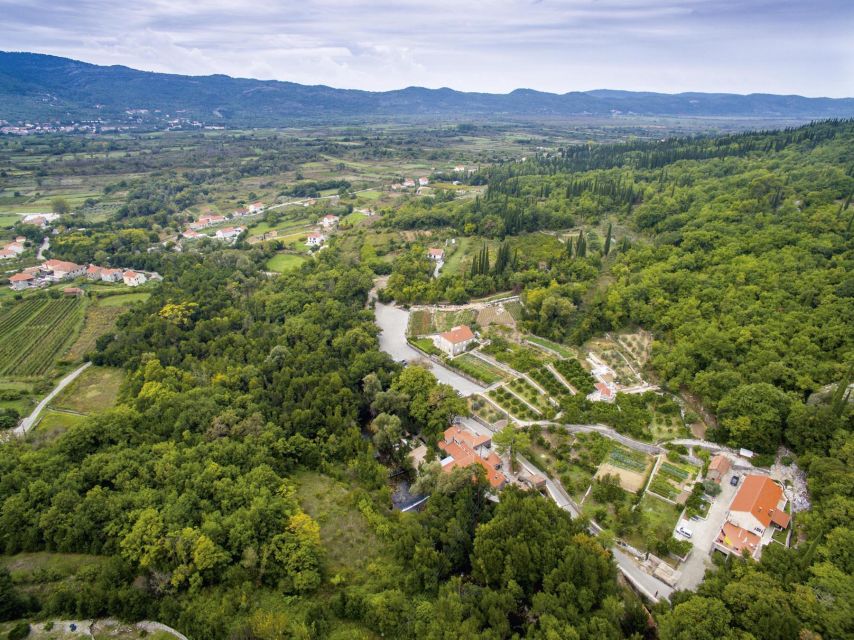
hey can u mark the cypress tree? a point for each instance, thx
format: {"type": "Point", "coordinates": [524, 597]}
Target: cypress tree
{"type": "Point", "coordinates": [608, 240]}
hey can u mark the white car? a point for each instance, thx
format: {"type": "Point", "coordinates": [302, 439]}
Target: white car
{"type": "Point", "coordinates": [685, 531]}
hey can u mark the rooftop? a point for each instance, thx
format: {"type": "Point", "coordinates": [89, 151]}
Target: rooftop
{"type": "Point", "coordinates": [761, 497]}
{"type": "Point", "coordinates": [458, 334]}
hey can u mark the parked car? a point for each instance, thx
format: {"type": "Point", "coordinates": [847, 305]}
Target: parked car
{"type": "Point", "coordinates": [685, 531]}
{"type": "Point", "coordinates": [734, 480]}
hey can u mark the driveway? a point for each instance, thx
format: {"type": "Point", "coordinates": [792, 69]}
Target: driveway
{"type": "Point", "coordinates": [393, 321]}
{"type": "Point", "coordinates": [704, 534]}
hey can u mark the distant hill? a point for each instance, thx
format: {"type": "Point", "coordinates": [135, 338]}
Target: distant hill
{"type": "Point", "coordinates": [35, 86]}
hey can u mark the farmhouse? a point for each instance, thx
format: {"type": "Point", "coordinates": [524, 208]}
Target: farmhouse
{"type": "Point", "coordinates": [603, 392]}
{"type": "Point", "coordinates": [5, 254]}
{"type": "Point", "coordinates": [189, 234]}
{"type": "Point", "coordinates": [409, 182]}
{"type": "Point", "coordinates": [423, 181]}
{"type": "Point", "coordinates": [459, 168]}
{"type": "Point", "coordinates": [718, 468]}
{"type": "Point", "coordinates": [314, 240]}
{"type": "Point", "coordinates": [207, 221]}
{"type": "Point", "coordinates": [21, 281]}
{"type": "Point", "coordinates": [73, 292]}
{"type": "Point", "coordinates": [111, 275]}
{"type": "Point", "coordinates": [133, 278]}
{"type": "Point", "coordinates": [464, 448]}
{"type": "Point", "coordinates": [229, 233]}
{"type": "Point", "coordinates": [455, 341]}
{"type": "Point", "coordinates": [62, 270]}
{"type": "Point", "coordinates": [436, 254]}
{"type": "Point", "coordinates": [240, 213]}
{"type": "Point", "coordinates": [329, 221]}
{"type": "Point", "coordinates": [759, 508]}
{"type": "Point", "coordinates": [255, 207]}
{"type": "Point", "coordinates": [16, 247]}
{"type": "Point", "coordinates": [93, 272]}
{"type": "Point", "coordinates": [39, 219]}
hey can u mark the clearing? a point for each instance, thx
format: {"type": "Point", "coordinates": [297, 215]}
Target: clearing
{"type": "Point", "coordinates": [282, 262]}
{"type": "Point", "coordinates": [124, 299]}
{"type": "Point", "coordinates": [96, 389]}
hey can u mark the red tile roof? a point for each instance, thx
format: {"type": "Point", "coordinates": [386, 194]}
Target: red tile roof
{"type": "Point", "coordinates": [458, 334]}
{"type": "Point", "coordinates": [760, 496]}
{"type": "Point", "coordinates": [462, 455]}
{"type": "Point", "coordinates": [736, 538]}
{"type": "Point", "coordinates": [21, 277]}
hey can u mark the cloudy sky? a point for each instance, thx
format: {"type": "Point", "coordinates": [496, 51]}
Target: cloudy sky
{"type": "Point", "coordinates": [741, 46]}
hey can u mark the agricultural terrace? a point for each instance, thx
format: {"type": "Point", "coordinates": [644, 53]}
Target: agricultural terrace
{"type": "Point", "coordinates": [96, 389]}
{"type": "Point", "coordinates": [512, 404]}
{"type": "Point", "coordinates": [517, 356]}
{"type": "Point", "coordinates": [553, 347]}
{"type": "Point", "coordinates": [575, 374]}
{"type": "Point", "coordinates": [673, 480]}
{"type": "Point", "coordinates": [428, 321]}
{"type": "Point", "coordinates": [631, 467]}
{"type": "Point", "coordinates": [544, 377]}
{"type": "Point", "coordinates": [485, 410]}
{"type": "Point", "coordinates": [99, 319]}
{"type": "Point", "coordinates": [532, 396]}
{"type": "Point", "coordinates": [33, 333]}
{"type": "Point", "coordinates": [611, 353]}
{"type": "Point", "coordinates": [478, 369]}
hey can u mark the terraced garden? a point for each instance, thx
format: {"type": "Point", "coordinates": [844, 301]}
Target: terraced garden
{"type": "Point", "coordinates": [527, 391]}
{"type": "Point", "coordinates": [546, 379]}
{"type": "Point", "coordinates": [512, 405]}
{"type": "Point", "coordinates": [575, 374]}
{"type": "Point", "coordinates": [478, 369]}
{"type": "Point", "coordinates": [671, 479]}
{"type": "Point", "coordinates": [562, 350]}
{"type": "Point", "coordinates": [35, 332]}
{"type": "Point", "coordinates": [485, 410]}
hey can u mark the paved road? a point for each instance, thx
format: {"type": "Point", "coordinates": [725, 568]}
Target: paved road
{"type": "Point", "coordinates": [45, 245]}
{"type": "Point", "coordinates": [393, 322]}
{"type": "Point", "coordinates": [28, 422]}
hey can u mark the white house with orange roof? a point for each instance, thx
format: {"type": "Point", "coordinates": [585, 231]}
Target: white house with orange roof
{"type": "Point", "coordinates": [133, 278]}
{"type": "Point", "coordinates": [112, 275]}
{"type": "Point", "coordinates": [21, 281]}
{"type": "Point", "coordinates": [423, 181]}
{"type": "Point", "coordinates": [314, 239]}
{"type": "Point", "coordinates": [255, 207]}
{"type": "Point", "coordinates": [93, 272]}
{"type": "Point", "coordinates": [5, 254]}
{"type": "Point", "coordinates": [17, 247]}
{"type": "Point", "coordinates": [63, 270]}
{"type": "Point", "coordinates": [464, 448]}
{"type": "Point", "coordinates": [329, 221]}
{"type": "Point", "coordinates": [229, 233]}
{"type": "Point", "coordinates": [455, 341]}
{"type": "Point", "coordinates": [758, 509]}
{"type": "Point", "coordinates": [436, 254]}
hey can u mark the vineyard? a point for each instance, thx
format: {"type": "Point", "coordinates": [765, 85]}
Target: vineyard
{"type": "Point", "coordinates": [34, 333]}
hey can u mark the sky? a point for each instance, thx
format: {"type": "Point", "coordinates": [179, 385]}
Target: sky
{"type": "Point", "coordinates": [803, 47]}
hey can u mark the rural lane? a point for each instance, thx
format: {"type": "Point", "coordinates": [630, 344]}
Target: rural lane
{"type": "Point", "coordinates": [28, 422]}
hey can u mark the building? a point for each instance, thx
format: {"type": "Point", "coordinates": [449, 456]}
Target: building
{"type": "Point", "coordinates": [16, 247]}
{"type": "Point", "coordinates": [718, 468]}
{"type": "Point", "coordinates": [241, 212]}
{"type": "Point", "coordinates": [62, 270]}
{"type": "Point", "coordinates": [314, 240]}
{"type": "Point", "coordinates": [464, 448]}
{"type": "Point", "coordinates": [455, 341]}
{"type": "Point", "coordinates": [423, 181]}
{"type": "Point", "coordinates": [459, 168]}
{"type": "Point", "coordinates": [759, 503]}
{"type": "Point", "coordinates": [329, 221]}
{"type": "Point", "coordinates": [229, 233]}
{"type": "Point", "coordinates": [409, 182]}
{"type": "Point", "coordinates": [756, 512]}
{"type": "Point", "coordinates": [207, 221]}
{"type": "Point", "coordinates": [255, 207]}
{"type": "Point", "coordinates": [133, 278]}
{"type": "Point", "coordinates": [112, 275]}
{"type": "Point", "coordinates": [603, 392]}
{"type": "Point", "coordinates": [21, 281]}
{"type": "Point", "coordinates": [5, 254]}
{"type": "Point", "coordinates": [189, 234]}
{"type": "Point", "coordinates": [436, 254]}
{"type": "Point", "coordinates": [73, 292]}
{"type": "Point", "coordinates": [39, 219]}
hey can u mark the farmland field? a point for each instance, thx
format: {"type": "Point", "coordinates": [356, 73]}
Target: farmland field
{"type": "Point", "coordinates": [477, 368]}
{"type": "Point", "coordinates": [421, 322]}
{"type": "Point", "coordinates": [33, 333]}
{"type": "Point", "coordinates": [99, 320]}
{"type": "Point", "coordinates": [546, 379]}
{"type": "Point", "coordinates": [94, 390]}
{"type": "Point", "coordinates": [124, 299]}
{"type": "Point", "coordinates": [512, 404]}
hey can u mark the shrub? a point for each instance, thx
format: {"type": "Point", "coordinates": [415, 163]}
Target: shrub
{"type": "Point", "coordinates": [19, 631]}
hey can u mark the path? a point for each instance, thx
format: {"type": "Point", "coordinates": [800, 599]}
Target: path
{"type": "Point", "coordinates": [45, 245]}
{"type": "Point", "coordinates": [30, 421]}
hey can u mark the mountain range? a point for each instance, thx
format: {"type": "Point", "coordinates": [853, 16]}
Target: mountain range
{"type": "Point", "coordinates": [42, 87]}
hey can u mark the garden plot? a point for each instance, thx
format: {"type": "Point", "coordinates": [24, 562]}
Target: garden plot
{"type": "Point", "coordinates": [512, 405]}
{"type": "Point", "coordinates": [546, 379]}
{"type": "Point", "coordinates": [629, 466]}
{"type": "Point", "coordinates": [673, 480]}
{"type": "Point", "coordinates": [485, 410]}
{"type": "Point", "coordinates": [637, 345]}
{"type": "Point", "coordinates": [478, 368]}
{"type": "Point", "coordinates": [421, 323]}
{"type": "Point", "coordinates": [611, 353]}
{"type": "Point", "coordinates": [495, 315]}
{"type": "Point", "coordinates": [532, 396]}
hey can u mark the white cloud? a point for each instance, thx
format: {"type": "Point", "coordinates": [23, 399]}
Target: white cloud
{"type": "Point", "coordinates": [781, 46]}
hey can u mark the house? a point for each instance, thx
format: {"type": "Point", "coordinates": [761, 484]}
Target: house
{"type": "Point", "coordinates": [241, 212]}
{"type": "Point", "coordinates": [436, 254]}
{"type": "Point", "coordinates": [603, 392]}
{"type": "Point", "coordinates": [733, 539]}
{"type": "Point", "coordinates": [423, 182]}
{"type": "Point", "coordinates": [189, 234]}
{"type": "Point", "coordinates": [255, 207]}
{"type": "Point", "coordinates": [112, 275]}
{"type": "Point", "coordinates": [207, 221]}
{"type": "Point", "coordinates": [133, 278]}
{"type": "Point", "coordinates": [314, 239]}
{"type": "Point", "coordinates": [16, 247]}
{"type": "Point", "coordinates": [229, 233]}
{"type": "Point", "coordinates": [21, 281]}
{"type": "Point", "coordinates": [459, 168]}
{"type": "Point", "coordinates": [718, 468]}
{"type": "Point", "coordinates": [329, 221]}
{"type": "Point", "coordinates": [39, 219]}
{"type": "Point", "coordinates": [759, 503]}
{"type": "Point", "coordinates": [62, 270]}
{"type": "Point", "coordinates": [73, 292]}
{"type": "Point", "coordinates": [93, 272]}
{"type": "Point", "coordinates": [464, 448]}
{"type": "Point", "coordinates": [455, 341]}
{"type": "Point", "coordinates": [409, 182]}
{"type": "Point", "coordinates": [5, 254]}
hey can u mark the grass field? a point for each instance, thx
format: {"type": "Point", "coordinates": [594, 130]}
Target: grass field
{"type": "Point", "coordinates": [98, 321]}
{"type": "Point", "coordinates": [53, 424]}
{"type": "Point", "coordinates": [282, 262]}
{"type": "Point", "coordinates": [478, 369]}
{"type": "Point", "coordinates": [658, 519]}
{"type": "Point", "coordinates": [94, 390]}
{"type": "Point", "coordinates": [452, 264]}
{"type": "Point", "coordinates": [34, 332]}
{"type": "Point", "coordinates": [124, 299]}
{"type": "Point", "coordinates": [351, 220]}
{"type": "Point", "coordinates": [562, 350]}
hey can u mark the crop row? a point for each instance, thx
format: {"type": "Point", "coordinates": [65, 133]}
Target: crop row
{"type": "Point", "coordinates": [547, 381]}
{"type": "Point", "coordinates": [663, 488]}
{"type": "Point", "coordinates": [677, 473]}
{"type": "Point", "coordinates": [477, 368]}
{"type": "Point", "coordinates": [18, 314]}
{"type": "Point", "coordinates": [626, 460]}
{"type": "Point", "coordinates": [575, 374]}
{"type": "Point", "coordinates": [512, 405]}
{"type": "Point", "coordinates": [32, 347]}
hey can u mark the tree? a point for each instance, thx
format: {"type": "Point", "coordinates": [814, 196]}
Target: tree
{"type": "Point", "coordinates": [60, 206]}
{"type": "Point", "coordinates": [753, 416]}
{"type": "Point", "coordinates": [387, 432]}
{"type": "Point", "coordinates": [697, 618]}
{"type": "Point", "coordinates": [509, 441]}
{"type": "Point", "coordinates": [607, 248]}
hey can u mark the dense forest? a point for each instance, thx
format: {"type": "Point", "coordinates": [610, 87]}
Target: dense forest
{"type": "Point", "coordinates": [737, 253]}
